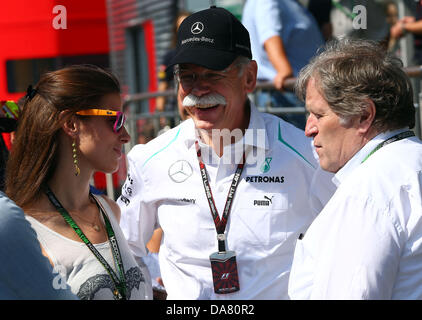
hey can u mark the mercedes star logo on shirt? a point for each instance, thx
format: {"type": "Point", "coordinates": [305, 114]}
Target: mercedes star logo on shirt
{"type": "Point", "coordinates": [180, 171]}
{"type": "Point", "coordinates": [197, 28]}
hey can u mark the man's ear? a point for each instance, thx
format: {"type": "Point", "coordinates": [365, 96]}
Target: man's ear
{"type": "Point", "coordinates": [70, 124]}
{"type": "Point", "coordinates": [367, 118]}
{"type": "Point", "coordinates": [251, 71]}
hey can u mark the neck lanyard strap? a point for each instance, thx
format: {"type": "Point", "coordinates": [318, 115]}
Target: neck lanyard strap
{"type": "Point", "coordinates": [120, 285]}
{"type": "Point", "coordinates": [397, 137]}
{"type": "Point", "coordinates": [220, 225]}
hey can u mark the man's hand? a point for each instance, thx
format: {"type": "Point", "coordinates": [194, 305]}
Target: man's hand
{"type": "Point", "coordinates": [279, 79]}
{"type": "Point", "coordinates": [397, 30]}
{"type": "Point", "coordinates": [277, 55]}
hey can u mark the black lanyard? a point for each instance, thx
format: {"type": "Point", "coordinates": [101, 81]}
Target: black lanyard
{"type": "Point", "coordinates": [220, 225]}
{"type": "Point", "coordinates": [120, 285]}
{"type": "Point", "coordinates": [397, 137]}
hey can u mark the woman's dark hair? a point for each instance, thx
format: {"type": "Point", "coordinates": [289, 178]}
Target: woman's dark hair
{"type": "Point", "coordinates": [32, 161]}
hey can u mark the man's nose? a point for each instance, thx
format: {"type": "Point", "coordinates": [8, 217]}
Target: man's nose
{"type": "Point", "coordinates": [200, 87]}
{"type": "Point", "coordinates": [311, 128]}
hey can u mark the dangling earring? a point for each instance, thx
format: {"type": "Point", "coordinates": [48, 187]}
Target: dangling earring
{"type": "Point", "coordinates": [75, 160]}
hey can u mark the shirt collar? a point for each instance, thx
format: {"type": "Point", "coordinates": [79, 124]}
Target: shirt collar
{"type": "Point", "coordinates": [189, 133]}
{"type": "Point", "coordinates": [357, 159]}
{"type": "Point", "coordinates": [256, 122]}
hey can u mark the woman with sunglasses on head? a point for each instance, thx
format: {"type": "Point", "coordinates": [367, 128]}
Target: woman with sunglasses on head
{"type": "Point", "coordinates": [71, 126]}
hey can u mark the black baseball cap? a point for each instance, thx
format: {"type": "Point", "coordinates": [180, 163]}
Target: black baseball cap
{"type": "Point", "coordinates": [211, 38]}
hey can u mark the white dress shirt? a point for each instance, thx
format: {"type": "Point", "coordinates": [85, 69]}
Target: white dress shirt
{"type": "Point", "coordinates": [367, 242]}
{"type": "Point", "coordinates": [273, 204]}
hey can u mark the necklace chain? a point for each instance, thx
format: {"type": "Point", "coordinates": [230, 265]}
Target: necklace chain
{"type": "Point", "coordinates": [93, 225]}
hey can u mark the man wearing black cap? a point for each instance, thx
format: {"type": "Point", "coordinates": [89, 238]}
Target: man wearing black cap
{"type": "Point", "coordinates": [230, 187]}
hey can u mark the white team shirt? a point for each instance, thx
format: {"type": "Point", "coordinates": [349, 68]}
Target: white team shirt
{"type": "Point", "coordinates": [271, 207]}
{"type": "Point", "coordinates": [367, 241]}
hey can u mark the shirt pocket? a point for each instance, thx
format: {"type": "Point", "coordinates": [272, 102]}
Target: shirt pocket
{"type": "Point", "coordinates": [259, 220]}
{"type": "Point", "coordinates": [178, 218]}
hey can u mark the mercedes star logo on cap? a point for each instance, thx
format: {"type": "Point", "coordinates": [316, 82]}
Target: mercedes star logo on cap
{"type": "Point", "coordinates": [197, 28]}
{"type": "Point", "coordinates": [180, 171]}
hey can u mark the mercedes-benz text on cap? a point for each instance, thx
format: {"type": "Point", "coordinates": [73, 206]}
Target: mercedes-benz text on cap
{"type": "Point", "coordinates": [211, 38]}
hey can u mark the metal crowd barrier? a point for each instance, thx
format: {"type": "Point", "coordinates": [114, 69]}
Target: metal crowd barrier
{"type": "Point", "coordinates": [131, 106]}
{"type": "Point", "coordinates": [414, 72]}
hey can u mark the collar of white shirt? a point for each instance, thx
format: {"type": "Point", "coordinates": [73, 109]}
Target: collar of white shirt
{"type": "Point", "coordinates": [357, 159]}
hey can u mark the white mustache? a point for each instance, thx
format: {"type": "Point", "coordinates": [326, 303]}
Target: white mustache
{"type": "Point", "coordinates": [209, 100]}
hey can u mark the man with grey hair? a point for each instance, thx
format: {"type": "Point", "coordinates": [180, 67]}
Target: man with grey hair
{"type": "Point", "coordinates": [230, 209]}
{"type": "Point", "coordinates": [367, 241]}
